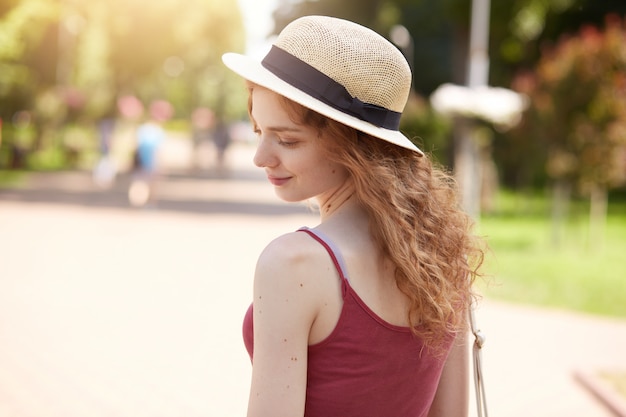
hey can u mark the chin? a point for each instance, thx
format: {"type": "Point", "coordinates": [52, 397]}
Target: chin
{"type": "Point", "coordinates": [290, 198]}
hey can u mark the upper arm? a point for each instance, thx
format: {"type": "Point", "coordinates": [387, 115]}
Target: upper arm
{"type": "Point", "coordinates": [451, 398]}
{"type": "Point", "coordinates": [284, 310]}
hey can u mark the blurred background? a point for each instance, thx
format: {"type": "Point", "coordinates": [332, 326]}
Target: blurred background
{"type": "Point", "coordinates": [77, 78]}
{"type": "Point", "coordinates": [525, 100]}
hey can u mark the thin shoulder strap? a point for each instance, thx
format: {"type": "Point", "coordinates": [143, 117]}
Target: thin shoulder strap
{"type": "Point", "coordinates": [332, 250]}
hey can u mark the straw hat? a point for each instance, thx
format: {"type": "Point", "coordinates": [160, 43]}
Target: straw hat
{"type": "Point", "coordinates": [339, 69]}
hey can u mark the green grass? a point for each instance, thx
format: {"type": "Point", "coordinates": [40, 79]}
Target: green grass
{"type": "Point", "coordinates": [616, 380]}
{"type": "Point", "coordinates": [525, 265]}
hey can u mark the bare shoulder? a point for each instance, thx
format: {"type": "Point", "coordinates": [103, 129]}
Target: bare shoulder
{"type": "Point", "coordinates": [292, 261]}
{"type": "Point", "coordinates": [292, 250]}
{"type": "Point", "coordinates": [286, 306]}
{"type": "Point", "coordinates": [289, 286]}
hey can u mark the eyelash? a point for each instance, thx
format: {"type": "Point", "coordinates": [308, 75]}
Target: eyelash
{"type": "Point", "coordinates": [281, 142]}
{"type": "Point", "coordinates": [287, 144]}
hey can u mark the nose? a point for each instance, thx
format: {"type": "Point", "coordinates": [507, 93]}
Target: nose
{"type": "Point", "coordinates": [263, 157]}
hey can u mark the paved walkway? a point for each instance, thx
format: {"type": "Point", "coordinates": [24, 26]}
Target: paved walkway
{"type": "Point", "coordinates": [108, 310]}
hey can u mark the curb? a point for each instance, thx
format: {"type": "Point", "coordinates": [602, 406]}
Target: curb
{"type": "Point", "coordinates": [615, 402]}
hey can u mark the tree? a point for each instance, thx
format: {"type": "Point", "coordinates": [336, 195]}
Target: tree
{"type": "Point", "coordinates": [370, 13]}
{"type": "Point", "coordinates": [440, 29]}
{"type": "Point", "coordinates": [67, 61]}
{"type": "Point", "coordinates": [23, 26]}
{"type": "Point", "coordinates": [169, 49]}
{"type": "Point", "coordinates": [578, 94]}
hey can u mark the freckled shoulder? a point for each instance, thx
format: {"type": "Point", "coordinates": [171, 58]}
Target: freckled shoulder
{"type": "Point", "coordinates": [288, 289]}
{"type": "Point", "coordinates": [293, 257]}
{"type": "Point", "coordinates": [292, 250]}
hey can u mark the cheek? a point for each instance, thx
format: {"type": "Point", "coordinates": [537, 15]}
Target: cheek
{"type": "Point", "coordinates": [335, 173]}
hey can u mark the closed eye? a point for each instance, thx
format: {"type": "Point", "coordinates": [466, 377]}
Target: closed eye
{"type": "Point", "coordinates": [287, 142]}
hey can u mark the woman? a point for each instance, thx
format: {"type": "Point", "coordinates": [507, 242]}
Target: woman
{"type": "Point", "coordinates": [364, 314]}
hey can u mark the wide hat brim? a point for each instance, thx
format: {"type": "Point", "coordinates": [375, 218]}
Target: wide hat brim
{"type": "Point", "coordinates": [254, 71]}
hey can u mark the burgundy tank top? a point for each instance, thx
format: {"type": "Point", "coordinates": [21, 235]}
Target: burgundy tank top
{"type": "Point", "coordinates": [366, 367]}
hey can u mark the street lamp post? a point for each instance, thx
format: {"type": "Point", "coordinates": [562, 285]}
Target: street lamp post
{"type": "Point", "coordinates": [401, 36]}
{"type": "Point", "coordinates": [467, 158]}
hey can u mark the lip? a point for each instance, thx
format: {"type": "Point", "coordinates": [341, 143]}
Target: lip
{"type": "Point", "coordinates": [277, 181]}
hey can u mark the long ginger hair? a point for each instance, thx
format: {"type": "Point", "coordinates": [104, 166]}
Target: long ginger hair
{"type": "Point", "coordinates": [415, 218]}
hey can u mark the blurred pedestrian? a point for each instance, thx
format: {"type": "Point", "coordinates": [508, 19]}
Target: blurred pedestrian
{"type": "Point", "coordinates": [202, 120]}
{"type": "Point", "coordinates": [365, 313]}
{"type": "Point", "coordinates": [105, 171]}
{"type": "Point", "coordinates": [221, 140]}
{"type": "Point", "coordinates": [150, 137]}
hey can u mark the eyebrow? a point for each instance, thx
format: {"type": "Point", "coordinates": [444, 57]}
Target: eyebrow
{"type": "Point", "coordinates": [281, 129]}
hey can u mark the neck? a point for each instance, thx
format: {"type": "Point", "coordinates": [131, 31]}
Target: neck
{"type": "Point", "coordinates": [336, 201]}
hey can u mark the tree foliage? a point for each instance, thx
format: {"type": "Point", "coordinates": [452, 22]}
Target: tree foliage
{"type": "Point", "coordinates": [95, 50]}
{"type": "Point", "coordinates": [440, 32]}
{"type": "Point", "coordinates": [67, 62]}
{"type": "Point", "coordinates": [578, 94]}
{"type": "Point", "coordinates": [23, 26]}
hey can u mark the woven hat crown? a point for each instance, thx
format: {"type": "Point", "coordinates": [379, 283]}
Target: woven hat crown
{"type": "Point", "coordinates": [365, 63]}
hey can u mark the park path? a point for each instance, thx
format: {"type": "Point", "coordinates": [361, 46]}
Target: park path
{"type": "Point", "coordinates": [108, 310]}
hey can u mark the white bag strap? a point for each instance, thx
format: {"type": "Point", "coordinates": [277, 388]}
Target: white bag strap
{"type": "Point", "coordinates": [479, 383]}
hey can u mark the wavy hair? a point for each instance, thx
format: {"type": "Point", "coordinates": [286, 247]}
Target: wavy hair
{"type": "Point", "coordinates": [416, 220]}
